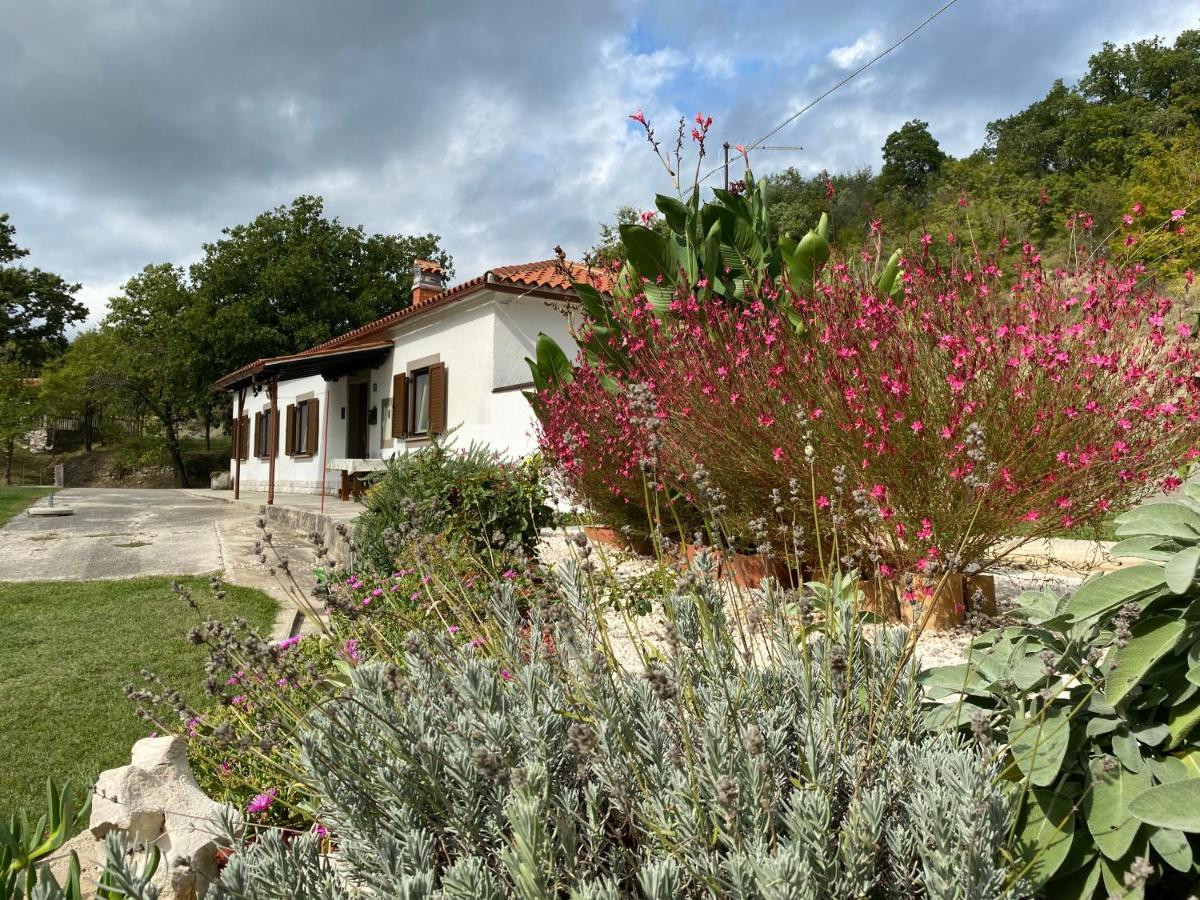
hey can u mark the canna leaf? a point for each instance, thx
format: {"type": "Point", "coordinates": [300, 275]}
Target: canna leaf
{"type": "Point", "coordinates": [650, 254]}
{"type": "Point", "coordinates": [886, 282]}
{"type": "Point", "coordinates": [552, 361]}
{"type": "Point", "coordinates": [675, 213]}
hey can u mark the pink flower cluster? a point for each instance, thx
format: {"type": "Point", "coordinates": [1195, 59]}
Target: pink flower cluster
{"type": "Point", "coordinates": [1042, 398]}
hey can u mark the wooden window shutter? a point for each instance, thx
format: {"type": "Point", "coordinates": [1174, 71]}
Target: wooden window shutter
{"type": "Point", "coordinates": [290, 441]}
{"type": "Point", "coordinates": [437, 398]}
{"type": "Point", "coordinates": [314, 422]}
{"type": "Point", "coordinates": [399, 405]}
{"type": "Point", "coordinates": [258, 434]}
{"type": "Point", "coordinates": [244, 437]}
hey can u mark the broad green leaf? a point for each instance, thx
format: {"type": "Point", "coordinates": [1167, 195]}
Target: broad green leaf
{"type": "Point", "coordinates": [1151, 735]}
{"type": "Point", "coordinates": [954, 680]}
{"type": "Point", "coordinates": [949, 716]}
{"type": "Point", "coordinates": [1079, 886]}
{"type": "Point", "coordinates": [1172, 805]}
{"type": "Point", "coordinates": [1125, 746]}
{"type": "Point", "coordinates": [1114, 589]}
{"type": "Point", "coordinates": [1193, 673]}
{"type": "Point", "coordinates": [1113, 870]}
{"type": "Point", "coordinates": [822, 228]}
{"type": "Point", "coordinates": [535, 373]}
{"type": "Point", "coordinates": [1182, 720]}
{"type": "Point", "coordinates": [887, 280]}
{"type": "Point", "coordinates": [552, 361]}
{"type": "Point", "coordinates": [1181, 570]}
{"type": "Point", "coordinates": [1169, 768]}
{"type": "Point", "coordinates": [1099, 726]}
{"type": "Point", "coordinates": [1173, 847]}
{"type": "Point", "coordinates": [1151, 640]}
{"type": "Point", "coordinates": [1045, 834]}
{"type": "Point", "coordinates": [803, 263]}
{"type": "Point", "coordinates": [685, 255]}
{"type": "Point", "coordinates": [1037, 606]}
{"type": "Point", "coordinates": [674, 212]}
{"type": "Point", "coordinates": [659, 296]}
{"type": "Point", "coordinates": [1108, 815]}
{"type": "Point", "coordinates": [1039, 743]}
{"type": "Point", "coordinates": [650, 254]}
{"type": "Point", "coordinates": [1173, 520]}
{"type": "Point", "coordinates": [1144, 546]}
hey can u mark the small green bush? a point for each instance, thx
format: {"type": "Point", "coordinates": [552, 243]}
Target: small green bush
{"type": "Point", "coordinates": [1093, 706]}
{"type": "Point", "coordinates": [472, 493]}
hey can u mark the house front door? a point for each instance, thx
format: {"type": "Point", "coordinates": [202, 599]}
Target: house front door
{"type": "Point", "coordinates": [356, 422]}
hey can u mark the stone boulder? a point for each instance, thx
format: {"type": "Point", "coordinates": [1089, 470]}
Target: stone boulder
{"type": "Point", "coordinates": [221, 481]}
{"type": "Point", "coordinates": [156, 800]}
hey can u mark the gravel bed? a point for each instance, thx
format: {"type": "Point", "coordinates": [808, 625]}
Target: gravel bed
{"type": "Point", "coordinates": [934, 648]}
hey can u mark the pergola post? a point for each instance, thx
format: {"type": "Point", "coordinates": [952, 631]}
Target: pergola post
{"type": "Point", "coordinates": [273, 393]}
{"type": "Point", "coordinates": [237, 444]}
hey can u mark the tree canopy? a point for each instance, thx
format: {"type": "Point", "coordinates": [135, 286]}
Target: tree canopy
{"type": "Point", "coordinates": [292, 278]}
{"type": "Point", "coordinates": [36, 307]}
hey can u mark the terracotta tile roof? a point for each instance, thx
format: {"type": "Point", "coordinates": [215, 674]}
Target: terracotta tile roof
{"type": "Point", "coordinates": [548, 274]}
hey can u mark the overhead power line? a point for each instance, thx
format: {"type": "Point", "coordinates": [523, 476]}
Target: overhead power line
{"type": "Point", "coordinates": [794, 116]}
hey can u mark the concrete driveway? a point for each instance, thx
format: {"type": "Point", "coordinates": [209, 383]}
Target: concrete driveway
{"type": "Point", "coordinates": [116, 533]}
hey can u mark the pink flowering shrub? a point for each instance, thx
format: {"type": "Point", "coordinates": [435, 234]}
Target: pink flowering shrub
{"type": "Point", "coordinates": [976, 403]}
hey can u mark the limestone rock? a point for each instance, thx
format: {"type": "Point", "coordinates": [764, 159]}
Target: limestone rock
{"type": "Point", "coordinates": [156, 800]}
{"type": "Point", "coordinates": [221, 481]}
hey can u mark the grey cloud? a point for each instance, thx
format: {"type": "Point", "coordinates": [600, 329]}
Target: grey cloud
{"type": "Point", "coordinates": [133, 132]}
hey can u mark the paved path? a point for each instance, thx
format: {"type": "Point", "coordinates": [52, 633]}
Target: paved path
{"type": "Point", "coordinates": [115, 533]}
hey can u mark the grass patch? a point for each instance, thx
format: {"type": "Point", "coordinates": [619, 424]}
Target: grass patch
{"type": "Point", "coordinates": [68, 647]}
{"type": "Point", "coordinates": [16, 498]}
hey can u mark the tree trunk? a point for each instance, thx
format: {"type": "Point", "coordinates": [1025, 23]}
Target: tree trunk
{"type": "Point", "coordinates": [176, 454]}
{"type": "Point", "coordinates": [208, 430]}
{"type": "Point", "coordinates": [8, 458]}
{"type": "Point", "coordinates": [86, 428]}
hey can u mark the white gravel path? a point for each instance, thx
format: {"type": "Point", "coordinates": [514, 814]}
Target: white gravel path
{"type": "Point", "coordinates": [934, 648]}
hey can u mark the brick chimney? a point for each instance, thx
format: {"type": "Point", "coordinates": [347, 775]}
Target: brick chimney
{"type": "Point", "coordinates": [427, 281]}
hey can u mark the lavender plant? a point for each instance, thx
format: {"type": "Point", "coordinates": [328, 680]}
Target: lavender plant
{"type": "Point", "coordinates": [753, 755]}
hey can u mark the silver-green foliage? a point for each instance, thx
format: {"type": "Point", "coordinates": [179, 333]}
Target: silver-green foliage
{"type": "Point", "coordinates": [779, 764]}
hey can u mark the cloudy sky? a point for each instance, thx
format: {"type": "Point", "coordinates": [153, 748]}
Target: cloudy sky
{"type": "Point", "coordinates": [132, 132]}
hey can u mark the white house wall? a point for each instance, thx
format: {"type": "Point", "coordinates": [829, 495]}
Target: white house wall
{"type": "Point", "coordinates": [295, 474]}
{"type": "Point", "coordinates": [483, 345]}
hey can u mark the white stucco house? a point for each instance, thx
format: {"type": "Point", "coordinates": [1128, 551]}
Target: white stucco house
{"type": "Point", "coordinates": [454, 359]}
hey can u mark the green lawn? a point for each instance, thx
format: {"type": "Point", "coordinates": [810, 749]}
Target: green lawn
{"type": "Point", "coordinates": [14, 499]}
{"type": "Point", "coordinates": [66, 648]}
